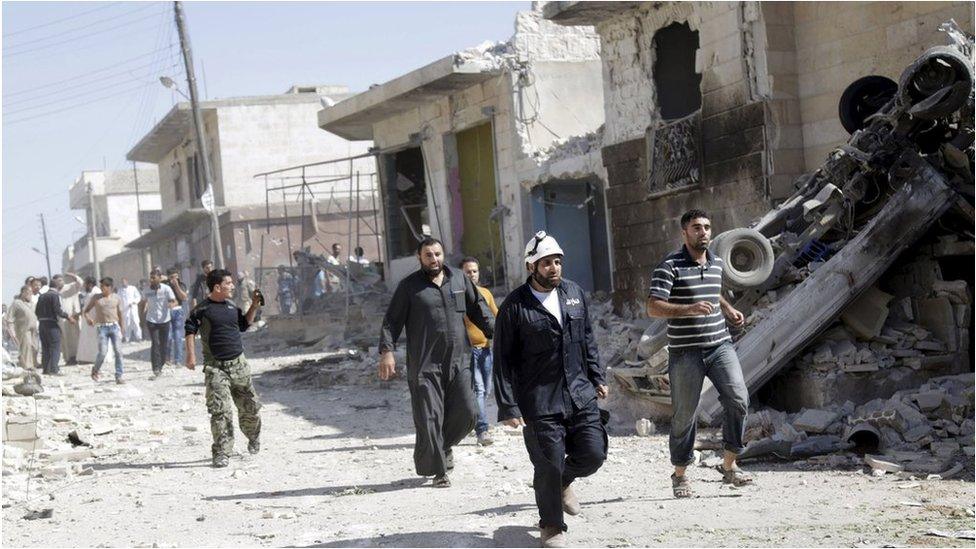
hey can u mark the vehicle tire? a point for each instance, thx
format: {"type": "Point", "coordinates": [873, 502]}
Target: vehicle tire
{"type": "Point", "coordinates": [862, 98]}
{"type": "Point", "coordinates": [747, 256]}
{"type": "Point", "coordinates": [938, 69]}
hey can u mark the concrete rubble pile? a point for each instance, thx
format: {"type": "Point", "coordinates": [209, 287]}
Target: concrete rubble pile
{"type": "Point", "coordinates": [76, 426]}
{"type": "Point", "coordinates": [927, 430]}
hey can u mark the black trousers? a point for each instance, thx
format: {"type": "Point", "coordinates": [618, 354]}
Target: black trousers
{"type": "Point", "coordinates": [159, 347]}
{"type": "Point", "coordinates": [444, 412]}
{"type": "Point", "coordinates": [50, 335]}
{"type": "Point", "coordinates": [563, 448]}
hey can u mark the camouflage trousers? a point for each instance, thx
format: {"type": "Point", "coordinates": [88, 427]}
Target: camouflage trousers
{"type": "Point", "coordinates": [230, 382]}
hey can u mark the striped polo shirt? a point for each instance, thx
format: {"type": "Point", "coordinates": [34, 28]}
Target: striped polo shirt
{"type": "Point", "coordinates": [680, 279]}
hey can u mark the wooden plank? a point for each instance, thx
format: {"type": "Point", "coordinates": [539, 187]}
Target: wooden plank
{"type": "Point", "coordinates": [809, 309]}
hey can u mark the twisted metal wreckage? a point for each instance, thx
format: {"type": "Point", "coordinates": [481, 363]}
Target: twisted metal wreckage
{"type": "Point", "coordinates": [909, 160]}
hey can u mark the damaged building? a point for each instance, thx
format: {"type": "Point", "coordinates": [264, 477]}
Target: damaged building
{"type": "Point", "coordinates": [248, 136]}
{"type": "Point", "coordinates": [488, 145]}
{"type": "Point", "coordinates": [834, 149]}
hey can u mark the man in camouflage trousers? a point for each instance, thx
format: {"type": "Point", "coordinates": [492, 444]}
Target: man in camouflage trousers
{"type": "Point", "coordinates": [228, 377]}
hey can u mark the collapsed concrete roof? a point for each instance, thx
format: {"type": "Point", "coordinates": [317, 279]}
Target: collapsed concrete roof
{"type": "Point", "coordinates": [353, 118]}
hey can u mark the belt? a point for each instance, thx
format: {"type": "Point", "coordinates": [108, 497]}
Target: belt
{"type": "Point", "coordinates": [103, 324]}
{"type": "Point", "coordinates": [239, 359]}
{"type": "Point", "coordinates": [47, 319]}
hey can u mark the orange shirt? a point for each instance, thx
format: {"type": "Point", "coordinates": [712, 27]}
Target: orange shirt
{"type": "Point", "coordinates": [475, 336]}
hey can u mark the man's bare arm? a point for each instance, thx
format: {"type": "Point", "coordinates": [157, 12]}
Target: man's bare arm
{"type": "Point", "coordinates": [660, 308]}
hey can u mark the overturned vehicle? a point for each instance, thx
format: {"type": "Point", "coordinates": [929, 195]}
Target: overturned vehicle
{"type": "Point", "coordinates": [800, 267]}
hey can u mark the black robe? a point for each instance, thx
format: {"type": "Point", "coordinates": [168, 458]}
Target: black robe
{"type": "Point", "coordinates": [438, 374]}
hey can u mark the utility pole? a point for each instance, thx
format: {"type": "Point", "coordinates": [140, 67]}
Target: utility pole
{"type": "Point", "coordinates": [92, 233]}
{"type": "Point", "coordinates": [191, 82]}
{"type": "Point", "coordinates": [47, 255]}
{"type": "Point", "coordinates": [145, 254]}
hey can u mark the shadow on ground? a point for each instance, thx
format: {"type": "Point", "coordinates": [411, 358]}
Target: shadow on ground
{"type": "Point", "coordinates": [506, 536]}
{"type": "Point", "coordinates": [338, 491]}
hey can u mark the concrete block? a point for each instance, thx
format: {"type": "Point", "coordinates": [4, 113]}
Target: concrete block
{"type": "Point", "coordinates": [917, 433]}
{"type": "Point", "coordinates": [866, 316]}
{"type": "Point", "coordinates": [957, 291]}
{"type": "Point", "coordinates": [945, 448]}
{"type": "Point", "coordinates": [928, 400]}
{"type": "Point", "coordinates": [814, 421]}
{"type": "Point", "coordinates": [938, 316]}
{"type": "Point", "coordinates": [18, 428]}
{"type": "Point", "coordinates": [67, 455]}
{"type": "Point", "coordinates": [964, 315]}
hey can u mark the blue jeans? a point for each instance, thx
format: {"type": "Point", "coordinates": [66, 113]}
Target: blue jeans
{"type": "Point", "coordinates": [687, 370]}
{"type": "Point", "coordinates": [481, 374]}
{"type": "Point", "coordinates": [176, 333]}
{"type": "Point", "coordinates": [109, 334]}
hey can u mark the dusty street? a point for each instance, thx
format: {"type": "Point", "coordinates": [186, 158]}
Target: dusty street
{"type": "Point", "coordinates": [335, 470]}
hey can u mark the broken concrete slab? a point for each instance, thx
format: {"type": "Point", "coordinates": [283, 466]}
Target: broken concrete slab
{"type": "Point", "coordinates": [814, 421]}
{"type": "Point", "coordinates": [878, 463]}
{"type": "Point", "coordinates": [865, 317]}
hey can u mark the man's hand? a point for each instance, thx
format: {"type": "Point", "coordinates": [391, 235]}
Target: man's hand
{"type": "Point", "coordinates": [256, 297]}
{"type": "Point", "coordinates": [602, 391]}
{"type": "Point", "coordinates": [513, 422]}
{"type": "Point", "coordinates": [735, 317]}
{"type": "Point", "coordinates": [387, 368]}
{"type": "Point", "coordinates": [702, 308]}
{"type": "Point", "coordinates": [89, 320]}
{"type": "Point", "coordinates": [72, 320]}
{"type": "Point", "coordinates": [191, 362]}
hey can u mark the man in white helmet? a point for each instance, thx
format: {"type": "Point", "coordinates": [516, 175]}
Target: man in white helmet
{"type": "Point", "coordinates": [548, 377]}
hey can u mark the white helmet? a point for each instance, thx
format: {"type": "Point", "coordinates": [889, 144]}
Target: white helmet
{"type": "Point", "coordinates": [540, 246]}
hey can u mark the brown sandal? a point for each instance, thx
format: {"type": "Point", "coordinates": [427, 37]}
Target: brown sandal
{"type": "Point", "coordinates": [735, 476]}
{"type": "Point", "coordinates": [680, 486]}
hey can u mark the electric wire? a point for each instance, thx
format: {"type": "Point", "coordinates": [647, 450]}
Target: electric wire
{"type": "Point", "coordinates": [83, 75]}
{"type": "Point", "coordinates": [85, 27]}
{"type": "Point", "coordinates": [59, 99]}
{"type": "Point", "coordinates": [69, 107]}
{"type": "Point", "coordinates": [86, 45]}
{"type": "Point", "coordinates": [56, 21]}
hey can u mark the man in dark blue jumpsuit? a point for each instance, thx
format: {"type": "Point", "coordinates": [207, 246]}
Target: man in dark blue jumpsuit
{"type": "Point", "coordinates": [431, 304]}
{"type": "Point", "coordinates": [548, 377]}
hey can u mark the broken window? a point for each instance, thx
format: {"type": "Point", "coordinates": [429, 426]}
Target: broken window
{"type": "Point", "coordinates": [676, 83]}
{"type": "Point", "coordinates": [405, 194]}
{"type": "Point", "coordinates": [674, 144]}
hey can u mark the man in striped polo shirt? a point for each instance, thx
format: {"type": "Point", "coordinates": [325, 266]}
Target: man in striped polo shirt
{"type": "Point", "coordinates": [686, 288]}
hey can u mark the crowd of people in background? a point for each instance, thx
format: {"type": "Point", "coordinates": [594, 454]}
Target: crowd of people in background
{"type": "Point", "coordinates": [312, 277]}
{"type": "Point", "coordinates": [70, 320]}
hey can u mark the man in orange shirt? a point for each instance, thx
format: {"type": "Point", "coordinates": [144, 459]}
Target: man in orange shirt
{"type": "Point", "coordinates": [480, 352]}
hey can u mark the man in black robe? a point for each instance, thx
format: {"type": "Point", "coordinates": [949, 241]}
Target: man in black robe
{"type": "Point", "coordinates": [431, 303]}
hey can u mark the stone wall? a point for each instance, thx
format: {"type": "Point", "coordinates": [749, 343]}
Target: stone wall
{"type": "Point", "coordinates": [839, 42]}
{"type": "Point", "coordinates": [734, 87]}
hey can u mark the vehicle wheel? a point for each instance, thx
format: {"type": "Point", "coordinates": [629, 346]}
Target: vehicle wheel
{"type": "Point", "coordinates": [748, 257]}
{"type": "Point", "coordinates": [862, 98]}
{"type": "Point", "coordinates": [937, 84]}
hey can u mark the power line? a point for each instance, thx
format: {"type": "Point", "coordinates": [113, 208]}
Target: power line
{"type": "Point", "coordinates": [87, 26]}
{"type": "Point", "coordinates": [8, 53]}
{"type": "Point", "coordinates": [85, 74]}
{"type": "Point", "coordinates": [87, 45]}
{"type": "Point", "coordinates": [69, 107]}
{"type": "Point", "coordinates": [113, 76]}
{"type": "Point", "coordinates": [114, 85]}
{"type": "Point", "coordinates": [56, 21]}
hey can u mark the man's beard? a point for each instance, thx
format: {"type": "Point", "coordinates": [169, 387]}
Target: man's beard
{"type": "Point", "coordinates": [544, 282]}
{"type": "Point", "coordinates": [432, 271]}
{"type": "Point", "coordinates": [701, 245]}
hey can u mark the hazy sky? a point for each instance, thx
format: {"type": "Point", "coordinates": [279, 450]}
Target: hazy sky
{"type": "Point", "coordinates": [81, 82]}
